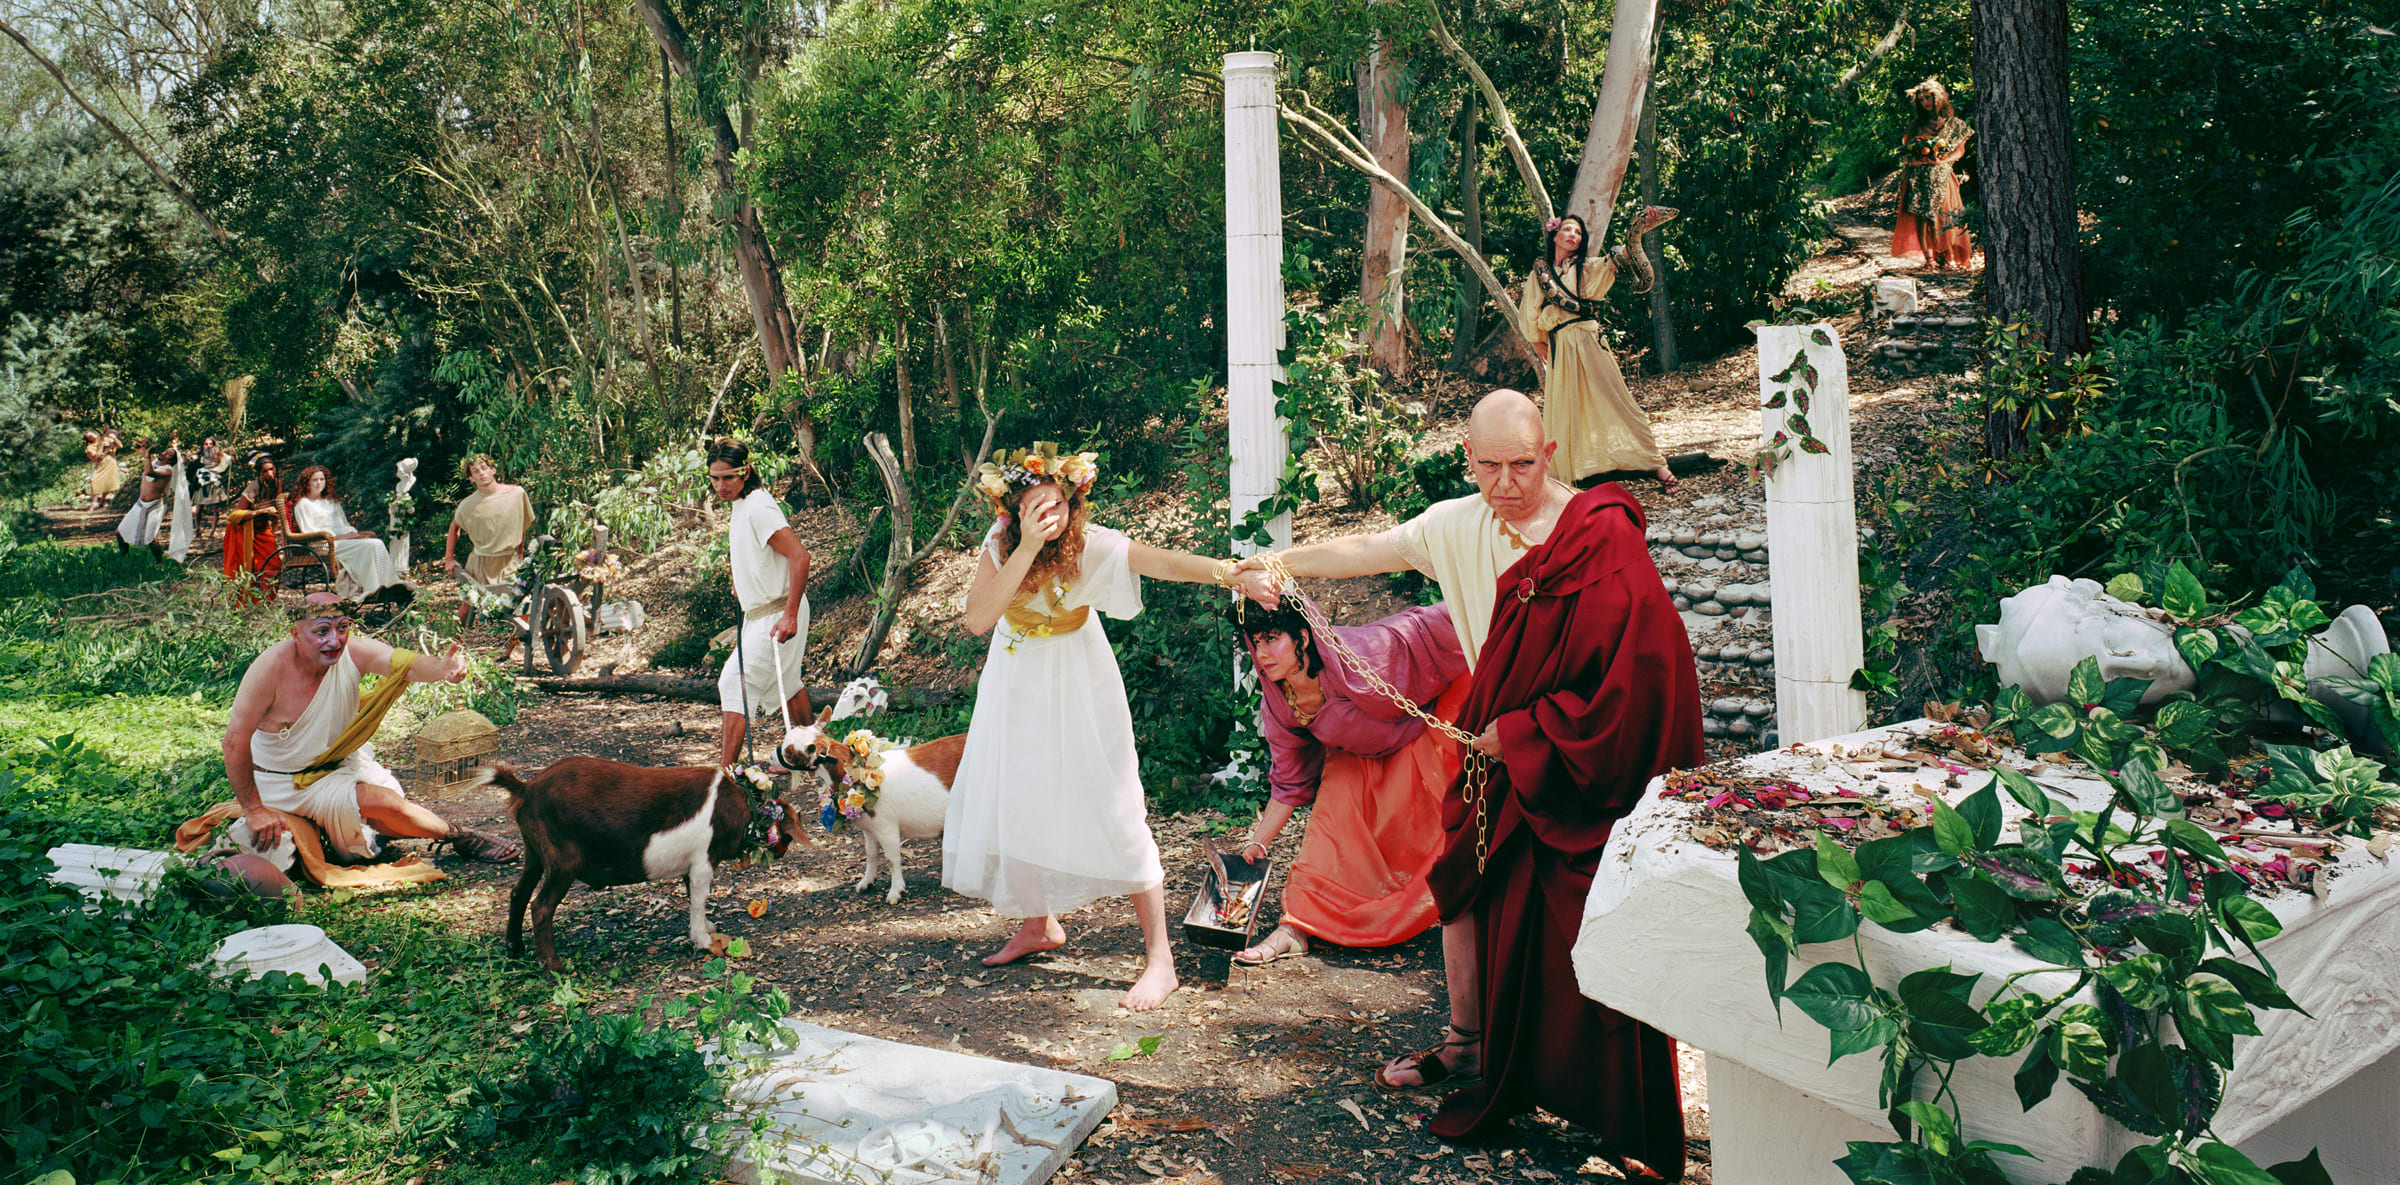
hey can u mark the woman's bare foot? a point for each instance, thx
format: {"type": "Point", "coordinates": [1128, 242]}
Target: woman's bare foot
{"type": "Point", "coordinates": [1156, 984]}
{"type": "Point", "coordinates": [1667, 478]}
{"type": "Point", "coordinates": [1035, 935]}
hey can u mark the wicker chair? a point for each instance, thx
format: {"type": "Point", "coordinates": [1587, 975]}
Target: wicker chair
{"type": "Point", "coordinates": [306, 550]}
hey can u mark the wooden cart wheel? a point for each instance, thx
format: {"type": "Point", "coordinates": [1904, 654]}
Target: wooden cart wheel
{"type": "Point", "coordinates": [560, 624]}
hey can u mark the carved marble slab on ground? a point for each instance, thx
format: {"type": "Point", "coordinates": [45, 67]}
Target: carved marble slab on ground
{"type": "Point", "coordinates": [1779, 1113]}
{"type": "Point", "coordinates": [850, 1108]}
{"type": "Point", "coordinates": [101, 872]}
{"type": "Point", "coordinates": [1819, 641]}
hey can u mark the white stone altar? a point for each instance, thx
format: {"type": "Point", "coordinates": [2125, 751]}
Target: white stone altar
{"type": "Point", "coordinates": [1663, 940]}
{"type": "Point", "coordinates": [103, 873]}
{"type": "Point", "coordinates": [849, 1108]}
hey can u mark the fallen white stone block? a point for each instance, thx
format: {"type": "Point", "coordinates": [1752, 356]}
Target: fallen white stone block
{"type": "Point", "coordinates": [850, 1108]}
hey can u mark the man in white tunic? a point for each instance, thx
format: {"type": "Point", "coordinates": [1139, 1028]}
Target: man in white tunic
{"type": "Point", "coordinates": [1463, 544]}
{"type": "Point", "coordinates": [770, 579]}
{"type": "Point", "coordinates": [295, 744]}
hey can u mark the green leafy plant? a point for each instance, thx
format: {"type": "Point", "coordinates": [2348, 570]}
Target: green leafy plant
{"type": "Point", "coordinates": [1337, 406]}
{"type": "Point", "coordinates": [2037, 392]}
{"type": "Point", "coordinates": [2138, 990]}
{"type": "Point", "coordinates": [629, 1100]}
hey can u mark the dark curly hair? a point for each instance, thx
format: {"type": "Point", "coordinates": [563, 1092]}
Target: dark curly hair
{"type": "Point", "coordinates": [1252, 624]}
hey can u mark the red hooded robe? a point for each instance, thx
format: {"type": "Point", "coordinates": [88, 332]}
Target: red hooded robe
{"type": "Point", "coordinates": [1589, 674]}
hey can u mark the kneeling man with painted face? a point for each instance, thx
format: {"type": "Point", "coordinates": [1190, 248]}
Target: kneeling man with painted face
{"type": "Point", "coordinates": [298, 742]}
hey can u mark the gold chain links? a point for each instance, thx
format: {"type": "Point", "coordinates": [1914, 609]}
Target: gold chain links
{"type": "Point", "coordinates": [1478, 765]}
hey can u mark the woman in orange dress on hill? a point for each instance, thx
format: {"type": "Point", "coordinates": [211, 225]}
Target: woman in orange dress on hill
{"type": "Point", "coordinates": [1372, 775]}
{"type": "Point", "coordinates": [1927, 229]}
{"type": "Point", "coordinates": [253, 539]}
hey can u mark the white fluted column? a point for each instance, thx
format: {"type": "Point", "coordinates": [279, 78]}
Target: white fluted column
{"type": "Point", "coordinates": [1259, 440]}
{"type": "Point", "coordinates": [1812, 538]}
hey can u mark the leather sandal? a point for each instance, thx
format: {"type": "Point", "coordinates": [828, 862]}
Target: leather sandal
{"type": "Point", "coordinates": [1427, 1063]}
{"type": "Point", "coordinates": [1296, 947]}
{"type": "Point", "coordinates": [481, 845]}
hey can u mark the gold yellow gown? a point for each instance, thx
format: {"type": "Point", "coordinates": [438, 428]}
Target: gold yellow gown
{"type": "Point", "coordinates": [1586, 407]}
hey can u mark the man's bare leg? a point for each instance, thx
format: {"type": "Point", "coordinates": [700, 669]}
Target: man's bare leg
{"type": "Point", "coordinates": [1033, 935]}
{"type": "Point", "coordinates": [1158, 953]}
{"type": "Point", "coordinates": [1461, 1051]}
{"type": "Point", "coordinates": [391, 813]}
{"type": "Point", "coordinates": [736, 727]}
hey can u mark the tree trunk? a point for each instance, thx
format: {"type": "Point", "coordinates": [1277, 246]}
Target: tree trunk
{"type": "Point", "coordinates": [754, 257]}
{"type": "Point", "coordinates": [674, 162]}
{"type": "Point", "coordinates": [2025, 161]}
{"type": "Point", "coordinates": [908, 404]}
{"type": "Point", "coordinates": [903, 550]}
{"type": "Point", "coordinates": [1608, 145]}
{"type": "Point", "coordinates": [1383, 125]}
{"type": "Point", "coordinates": [1470, 203]}
{"type": "Point", "coordinates": [941, 341]}
{"type": "Point", "coordinates": [904, 555]}
{"type": "Point", "coordinates": [1662, 315]}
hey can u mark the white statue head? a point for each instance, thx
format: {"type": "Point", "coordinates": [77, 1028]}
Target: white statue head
{"type": "Point", "coordinates": [2047, 629]}
{"type": "Point", "coordinates": [407, 469]}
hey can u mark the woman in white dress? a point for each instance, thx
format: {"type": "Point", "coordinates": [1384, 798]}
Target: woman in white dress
{"type": "Point", "coordinates": [1046, 810]}
{"type": "Point", "coordinates": [365, 563]}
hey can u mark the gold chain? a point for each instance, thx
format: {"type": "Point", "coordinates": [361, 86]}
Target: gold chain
{"type": "Point", "coordinates": [1478, 765]}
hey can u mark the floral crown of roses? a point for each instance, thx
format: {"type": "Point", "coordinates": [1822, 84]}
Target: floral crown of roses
{"type": "Point", "coordinates": [1018, 469]}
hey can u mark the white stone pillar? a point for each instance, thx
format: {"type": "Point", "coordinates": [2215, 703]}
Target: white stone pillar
{"type": "Point", "coordinates": [1812, 536]}
{"type": "Point", "coordinates": [1259, 440]}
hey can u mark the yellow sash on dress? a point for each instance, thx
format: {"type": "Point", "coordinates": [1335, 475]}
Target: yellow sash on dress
{"type": "Point", "coordinates": [1030, 622]}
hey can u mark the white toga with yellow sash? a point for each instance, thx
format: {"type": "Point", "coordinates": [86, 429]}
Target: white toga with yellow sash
{"type": "Point", "coordinates": [313, 767]}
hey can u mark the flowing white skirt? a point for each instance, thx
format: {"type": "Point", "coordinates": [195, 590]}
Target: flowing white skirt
{"type": "Point", "coordinates": [366, 566]}
{"type": "Point", "coordinates": [1046, 813]}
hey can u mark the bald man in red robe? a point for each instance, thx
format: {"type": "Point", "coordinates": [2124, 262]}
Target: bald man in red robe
{"type": "Point", "coordinates": [1584, 689]}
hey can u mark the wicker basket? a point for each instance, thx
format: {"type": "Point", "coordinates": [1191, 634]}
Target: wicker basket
{"type": "Point", "coordinates": [449, 749]}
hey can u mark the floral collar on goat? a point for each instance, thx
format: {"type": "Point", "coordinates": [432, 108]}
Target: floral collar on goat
{"type": "Point", "coordinates": [1017, 469]}
{"type": "Point", "coordinates": [862, 780]}
{"type": "Point", "coordinates": [771, 818]}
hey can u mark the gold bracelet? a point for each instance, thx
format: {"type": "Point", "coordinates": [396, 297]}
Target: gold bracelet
{"type": "Point", "coordinates": [1222, 574]}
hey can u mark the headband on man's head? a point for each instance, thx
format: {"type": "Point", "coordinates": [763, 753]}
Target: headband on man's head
{"type": "Point", "coordinates": [315, 605]}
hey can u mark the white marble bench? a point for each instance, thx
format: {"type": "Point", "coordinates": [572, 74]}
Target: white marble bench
{"type": "Point", "coordinates": [1663, 940]}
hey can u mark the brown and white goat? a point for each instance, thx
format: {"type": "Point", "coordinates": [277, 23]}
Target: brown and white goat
{"type": "Point", "coordinates": [913, 803]}
{"type": "Point", "coordinates": [608, 823]}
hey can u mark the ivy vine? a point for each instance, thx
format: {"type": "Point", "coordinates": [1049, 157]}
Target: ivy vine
{"type": "Point", "coordinates": [1801, 377]}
